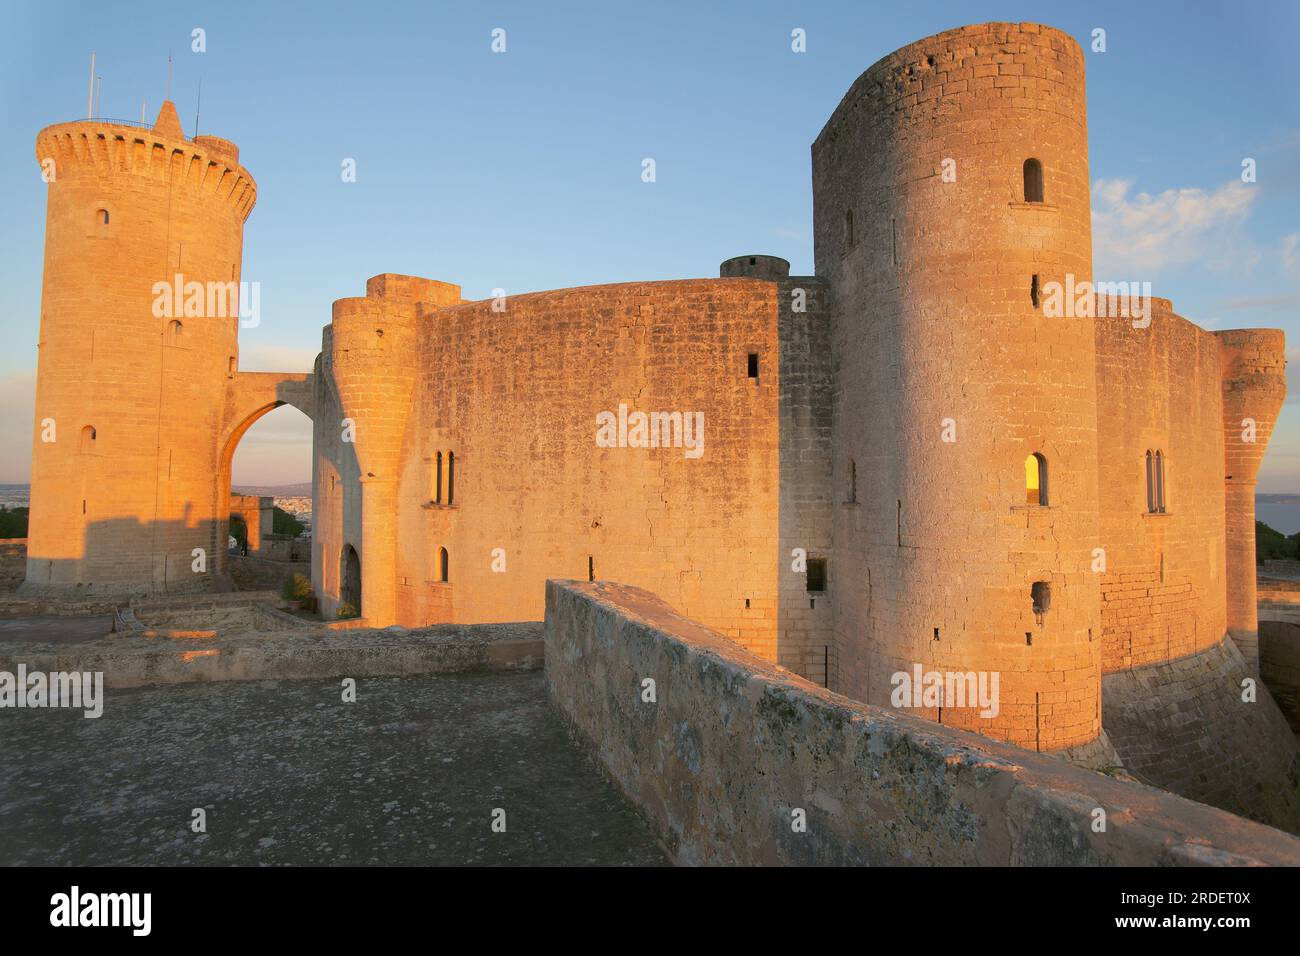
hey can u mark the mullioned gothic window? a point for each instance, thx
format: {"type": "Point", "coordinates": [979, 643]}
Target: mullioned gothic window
{"type": "Point", "coordinates": [1155, 482]}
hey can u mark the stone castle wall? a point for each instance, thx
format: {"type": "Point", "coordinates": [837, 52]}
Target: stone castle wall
{"type": "Point", "coordinates": [806, 501]}
{"type": "Point", "coordinates": [1159, 389]}
{"type": "Point", "coordinates": [1183, 725]}
{"type": "Point", "coordinates": [530, 480]}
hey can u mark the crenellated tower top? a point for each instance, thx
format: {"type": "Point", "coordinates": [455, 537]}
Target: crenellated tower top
{"type": "Point", "coordinates": [107, 147]}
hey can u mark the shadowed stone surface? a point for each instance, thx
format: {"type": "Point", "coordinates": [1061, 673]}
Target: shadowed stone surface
{"type": "Point", "coordinates": [1182, 725]}
{"type": "Point", "coordinates": [288, 774]}
{"type": "Point", "coordinates": [55, 630]}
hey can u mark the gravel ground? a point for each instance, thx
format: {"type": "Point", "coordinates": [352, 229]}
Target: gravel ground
{"type": "Point", "coordinates": [409, 774]}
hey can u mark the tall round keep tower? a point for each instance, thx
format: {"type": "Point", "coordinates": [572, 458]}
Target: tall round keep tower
{"type": "Point", "coordinates": [951, 218]}
{"type": "Point", "coordinates": [139, 315]}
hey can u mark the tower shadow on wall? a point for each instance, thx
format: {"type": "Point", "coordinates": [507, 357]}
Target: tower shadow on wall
{"type": "Point", "coordinates": [120, 553]}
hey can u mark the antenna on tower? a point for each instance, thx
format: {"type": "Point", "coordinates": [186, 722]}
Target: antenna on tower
{"type": "Point", "coordinates": [90, 97]}
{"type": "Point", "coordinates": [198, 103]}
{"type": "Point", "coordinates": [99, 93]}
{"type": "Point", "coordinates": [144, 105]}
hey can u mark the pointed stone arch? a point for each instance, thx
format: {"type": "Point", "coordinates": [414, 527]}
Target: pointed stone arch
{"type": "Point", "coordinates": [255, 394]}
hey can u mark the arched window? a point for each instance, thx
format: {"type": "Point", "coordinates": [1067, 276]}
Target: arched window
{"type": "Point", "coordinates": [451, 476]}
{"type": "Point", "coordinates": [1033, 181]}
{"type": "Point", "coordinates": [88, 436]}
{"type": "Point", "coordinates": [174, 329]}
{"type": "Point", "coordinates": [101, 217]}
{"type": "Point", "coordinates": [437, 479]}
{"type": "Point", "coordinates": [443, 575]}
{"type": "Point", "coordinates": [1036, 479]}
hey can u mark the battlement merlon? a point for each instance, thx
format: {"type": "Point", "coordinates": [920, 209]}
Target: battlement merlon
{"type": "Point", "coordinates": [104, 147]}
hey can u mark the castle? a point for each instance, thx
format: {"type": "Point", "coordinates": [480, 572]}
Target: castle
{"type": "Point", "coordinates": [925, 455]}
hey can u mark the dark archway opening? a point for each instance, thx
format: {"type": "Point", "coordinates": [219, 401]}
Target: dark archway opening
{"type": "Point", "coordinates": [350, 580]}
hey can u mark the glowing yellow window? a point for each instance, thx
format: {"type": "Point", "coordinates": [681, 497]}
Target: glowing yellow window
{"type": "Point", "coordinates": [1036, 480]}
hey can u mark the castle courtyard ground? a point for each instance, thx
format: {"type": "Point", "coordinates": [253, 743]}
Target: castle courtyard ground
{"type": "Point", "coordinates": [289, 774]}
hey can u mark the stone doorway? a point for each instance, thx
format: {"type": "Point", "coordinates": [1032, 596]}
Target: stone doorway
{"type": "Point", "coordinates": [350, 578]}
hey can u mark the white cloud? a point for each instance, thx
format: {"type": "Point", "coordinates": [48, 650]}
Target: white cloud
{"type": "Point", "coordinates": [1142, 234]}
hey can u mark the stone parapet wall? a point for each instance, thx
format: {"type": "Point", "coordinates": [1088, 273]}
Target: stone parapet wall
{"type": "Point", "coordinates": [733, 745]}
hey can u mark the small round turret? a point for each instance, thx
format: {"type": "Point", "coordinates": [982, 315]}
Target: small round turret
{"type": "Point", "coordinates": [754, 267]}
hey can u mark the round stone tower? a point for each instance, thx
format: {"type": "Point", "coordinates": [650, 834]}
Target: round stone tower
{"type": "Point", "coordinates": [1253, 363]}
{"type": "Point", "coordinates": [374, 364]}
{"type": "Point", "coordinates": [139, 315]}
{"type": "Point", "coordinates": [951, 218]}
{"type": "Point", "coordinates": [754, 267]}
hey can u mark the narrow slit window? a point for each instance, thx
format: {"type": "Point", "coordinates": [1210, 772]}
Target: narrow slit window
{"type": "Point", "coordinates": [174, 331]}
{"type": "Point", "coordinates": [88, 436]}
{"type": "Point", "coordinates": [1036, 480]}
{"type": "Point", "coordinates": [437, 479]}
{"type": "Point", "coordinates": [753, 365]}
{"type": "Point", "coordinates": [451, 476]}
{"type": "Point", "coordinates": [444, 563]}
{"type": "Point", "coordinates": [848, 228]}
{"type": "Point", "coordinates": [1160, 482]}
{"type": "Point", "coordinates": [1033, 181]}
{"type": "Point", "coordinates": [591, 568]}
{"type": "Point", "coordinates": [853, 481]}
{"type": "Point", "coordinates": [1034, 296]}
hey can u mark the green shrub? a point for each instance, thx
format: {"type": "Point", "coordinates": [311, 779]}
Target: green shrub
{"type": "Point", "coordinates": [346, 610]}
{"type": "Point", "coordinates": [296, 587]}
{"type": "Point", "coordinates": [1270, 544]}
{"type": "Point", "coordinates": [13, 522]}
{"type": "Point", "coordinates": [284, 523]}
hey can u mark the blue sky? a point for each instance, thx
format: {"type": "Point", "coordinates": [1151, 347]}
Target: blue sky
{"type": "Point", "coordinates": [522, 170]}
